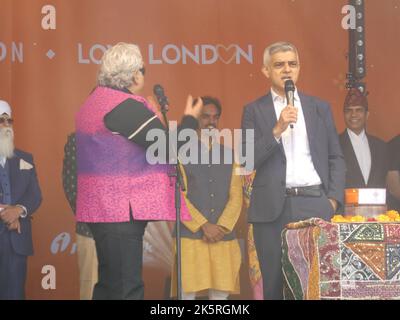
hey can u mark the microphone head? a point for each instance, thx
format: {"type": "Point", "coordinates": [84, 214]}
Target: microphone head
{"type": "Point", "coordinates": [289, 85]}
{"type": "Point", "coordinates": [162, 99]}
{"type": "Point", "coordinates": [158, 90]}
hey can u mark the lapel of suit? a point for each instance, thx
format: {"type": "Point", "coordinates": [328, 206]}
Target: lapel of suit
{"type": "Point", "coordinates": [267, 110]}
{"type": "Point", "coordinates": [14, 172]}
{"type": "Point", "coordinates": [268, 115]}
{"type": "Point", "coordinates": [374, 163]}
{"type": "Point", "coordinates": [310, 117]}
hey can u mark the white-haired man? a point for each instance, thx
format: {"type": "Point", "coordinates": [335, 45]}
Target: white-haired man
{"type": "Point", "coordinates": [20, 197]}
{"type": "Point", "coordinates": [300, 171]}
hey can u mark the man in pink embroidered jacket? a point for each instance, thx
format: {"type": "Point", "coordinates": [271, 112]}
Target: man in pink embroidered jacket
{"type": "Point", "coordinates": [118, 190]}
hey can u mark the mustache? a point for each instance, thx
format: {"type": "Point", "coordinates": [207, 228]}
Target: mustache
{"type": "Point", "coordinates": [6, 132]}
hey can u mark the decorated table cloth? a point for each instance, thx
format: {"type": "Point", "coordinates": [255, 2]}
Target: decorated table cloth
{"type": "Point", "coordinates": [323, 260]}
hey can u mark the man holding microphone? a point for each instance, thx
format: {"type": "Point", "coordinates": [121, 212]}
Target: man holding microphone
{"type": "Point", "coordinates": [300, 171]}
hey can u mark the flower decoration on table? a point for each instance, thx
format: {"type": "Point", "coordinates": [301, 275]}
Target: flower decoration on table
{"type": "Point", "coordinates": [389, 216]}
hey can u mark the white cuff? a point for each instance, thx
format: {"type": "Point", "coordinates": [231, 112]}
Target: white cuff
{"type": "Point", "coordinates": [25, 213]}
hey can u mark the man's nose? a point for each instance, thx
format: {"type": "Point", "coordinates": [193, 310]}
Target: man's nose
{"type": "Point", "coordinates": [354, 113]}
{"type": "Point", "coordinates": [286, 68]}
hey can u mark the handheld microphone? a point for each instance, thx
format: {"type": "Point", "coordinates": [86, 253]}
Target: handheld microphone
{"type": "Point", "coordinates": [161, 98]}
{"type": "Point", "coordinates": [289, 90]}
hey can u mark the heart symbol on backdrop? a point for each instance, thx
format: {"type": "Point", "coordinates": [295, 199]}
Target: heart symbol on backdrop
{"type": "Point", "coordinates": [226, 54]}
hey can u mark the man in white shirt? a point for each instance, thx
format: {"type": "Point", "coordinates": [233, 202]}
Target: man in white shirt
{"type": "Point", "coordinates": [300, 171]}
{"type": "Point", "coordinates": [365, 155]}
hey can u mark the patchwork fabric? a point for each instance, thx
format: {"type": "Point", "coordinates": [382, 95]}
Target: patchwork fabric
{"type": "Point", "coordinates": [323, 260]}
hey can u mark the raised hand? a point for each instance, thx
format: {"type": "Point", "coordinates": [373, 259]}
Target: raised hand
{"type": "Point", "coordinates": [193, 110]}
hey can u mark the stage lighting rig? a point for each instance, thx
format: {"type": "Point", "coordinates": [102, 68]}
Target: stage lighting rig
{"type": "Point", "coordinates": [357, 52]}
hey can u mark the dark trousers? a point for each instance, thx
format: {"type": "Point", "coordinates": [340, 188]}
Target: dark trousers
{"type": "Point", "coordinates": [268, 240]}
{"type": "Point", "coordinates": [119, 249]}
{"type": "Point", "coordinates": [12, 269]}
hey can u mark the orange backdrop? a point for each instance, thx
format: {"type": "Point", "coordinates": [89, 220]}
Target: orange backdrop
{"type": "Point", "coordinates": [46, 92]}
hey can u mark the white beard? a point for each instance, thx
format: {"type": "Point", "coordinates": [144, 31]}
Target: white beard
{"type": "Point", "coordinates": [6, 142]}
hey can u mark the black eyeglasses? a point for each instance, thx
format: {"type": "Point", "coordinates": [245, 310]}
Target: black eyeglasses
{"type": "Point", "coordinates": [142, 70]}
{"type": "Point", "coordinates": [8, 120]}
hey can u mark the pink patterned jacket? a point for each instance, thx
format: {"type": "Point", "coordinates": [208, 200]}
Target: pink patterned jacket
{"type": "Point", "coordinates": [113, 173]}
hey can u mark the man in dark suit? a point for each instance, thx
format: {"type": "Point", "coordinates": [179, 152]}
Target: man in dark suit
{"type": "Point", "coordinates": [365, 155]}
{"type": "Point", "coordinates": [300, 171]}
{"type": "Point", "coordinates": [393, 176]}
{"type": "Point", "coordinates": [20, 196]}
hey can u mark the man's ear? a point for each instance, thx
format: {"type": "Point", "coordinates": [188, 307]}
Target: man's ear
{"type": "Point", "coordinates": [135, 78]}
{"type": "Point", "coordinates": [265, 71]}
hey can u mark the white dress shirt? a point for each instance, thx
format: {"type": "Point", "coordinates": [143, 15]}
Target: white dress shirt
{"type": "Point", "coordinates": [2, 161]}
{"type": "Point", "coordinates": [363, 153]}
{"type": "Point", "coordinates": [300, 170]}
